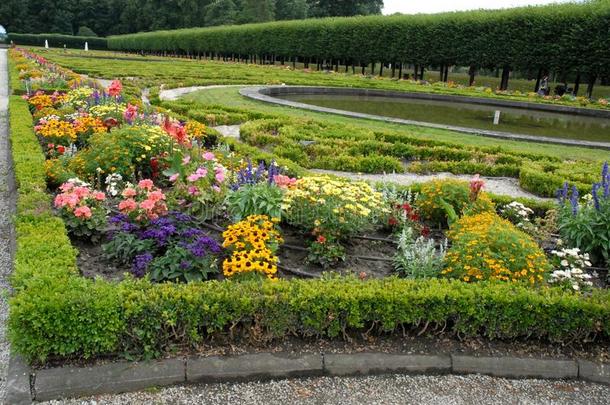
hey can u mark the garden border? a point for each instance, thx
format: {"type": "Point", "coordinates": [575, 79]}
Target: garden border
{"type": "Point", "coordinates": [25, 385]}
{"type": "Point", "coordinates": [267, 93]}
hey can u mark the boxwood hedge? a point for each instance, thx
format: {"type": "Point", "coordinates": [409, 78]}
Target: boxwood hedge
{"type": "Point", "coordinates": [55, 313]}
{"type": "Point", "coordinates": [58, 40]}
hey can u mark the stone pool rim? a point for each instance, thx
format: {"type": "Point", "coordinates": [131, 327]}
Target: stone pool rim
{"type": "Point", "coordinates": [268, 94]}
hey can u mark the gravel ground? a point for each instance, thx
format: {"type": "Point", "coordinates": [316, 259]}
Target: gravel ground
{"type": "Point", "coordinates": [390, 389]}
{"type": "Point", "coordinates": [6, 212]}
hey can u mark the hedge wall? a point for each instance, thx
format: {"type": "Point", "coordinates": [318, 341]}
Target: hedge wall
{"type": "Point", "coordinates": [56, 313]}
{"type": "Point", "coordinates": [568, 37]}
{"type": "Point", "coordinates": [58, 40]}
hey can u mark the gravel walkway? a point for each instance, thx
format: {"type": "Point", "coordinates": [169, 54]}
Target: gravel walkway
{"type": "Point", "coordinates": [370, 390]}
{"type": "Point", "coordinates": [6, 214]}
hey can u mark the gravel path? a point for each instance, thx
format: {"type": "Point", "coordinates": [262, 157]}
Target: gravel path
{"type": "Point", "coordinates": [6, 214]}
{"type": "Point", "coordinates": [496, 185]}
{"type": "Point", "coordinates": [390, 389]}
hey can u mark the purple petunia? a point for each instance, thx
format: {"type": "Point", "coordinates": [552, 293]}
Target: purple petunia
{"type": "Point", "coordinates": [140, 264]}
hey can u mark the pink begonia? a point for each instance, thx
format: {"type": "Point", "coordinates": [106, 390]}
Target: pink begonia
{"type": "Point", "coordinates": [128, 205]}
{"type": "Point", "coordinates": [99, 196]}
{"type": "Point", "coordinates": [129, 192]}
{"type": "Point", "coordinates": [186, 160]}
{"type": "Point", "coordinates": [174, 177]}
{"type": "Point", "coordinates": [156, 196]}
{"type": "Point", "coordinates": [66, 187]}
{"type": "Point", "coordinates": [193, 190]}
{"type": "Point", "coordinates": [216, 188]}
{"type": "Point", "coordinates": [199, 173]}
{"type": "Point", "coordinates": [147, 205]}
{"type": "Point", "coordinates": [146, 184]}
{"type": "Point", "coordinates": [83, 212]}
{"type": "Point", "coordinates": [209, 156]}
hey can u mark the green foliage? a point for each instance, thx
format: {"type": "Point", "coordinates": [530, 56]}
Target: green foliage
{"type": "Point", "coordinates": [85, 32]}
{"type": "Point", "coordinates": [491, 39]}
{"type": "Point", "coordinates": [58, 40]}
{"type": "Point", "coordinates": [255, 199]}
{"type": "Point", "coordinates": [438, 198]}
{"type": "Point", "coordinates": [417, 258]}
{"type": "Point", "coordinates": [325, 252]}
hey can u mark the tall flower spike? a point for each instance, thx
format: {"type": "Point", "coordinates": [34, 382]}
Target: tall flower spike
{"type": "Point", "coordinates": [594, 191]}
{"type": "Point", "coordinates": [574, 200]}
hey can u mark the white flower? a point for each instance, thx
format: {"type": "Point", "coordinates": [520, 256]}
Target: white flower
{"type": "Point", "coordinates": [565, 263]}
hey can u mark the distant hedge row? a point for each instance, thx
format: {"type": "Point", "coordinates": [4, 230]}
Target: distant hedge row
{"type": "Point", "coordinates": [58, 40]}
{"type": "Point", "coordinates": [563, 38]}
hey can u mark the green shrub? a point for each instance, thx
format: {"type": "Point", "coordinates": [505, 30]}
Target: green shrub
{"type": "Point", "coordinates": [435, 194]}
{"type": "Point", "coordinates": [58, 40]}
{"type": "Point", "coordinates": [487, 247]}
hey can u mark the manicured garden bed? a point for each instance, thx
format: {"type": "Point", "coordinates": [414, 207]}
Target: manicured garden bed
{"type": "Point", "coordinates": [202, 228]}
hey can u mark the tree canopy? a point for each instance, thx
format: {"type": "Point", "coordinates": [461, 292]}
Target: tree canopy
{"type": "Point", "coordinates": [107, 17]}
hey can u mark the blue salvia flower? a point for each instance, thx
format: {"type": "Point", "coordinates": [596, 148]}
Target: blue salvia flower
{"type": "Point", "coordinates": [562, 193]}
{"type": "Point", "coordinates": [596, 187]}
{"type": "Point", "coordinates": [574, 200]}
{"type": "Point", "coordinates": [606, 180]}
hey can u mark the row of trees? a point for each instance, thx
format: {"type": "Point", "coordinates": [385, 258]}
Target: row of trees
{"type": "Point", "coordinates": [105, 17]}
{"type": "Point", "coordinates": [571, 39]}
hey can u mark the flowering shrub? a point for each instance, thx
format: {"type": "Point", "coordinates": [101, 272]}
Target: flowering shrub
{"type": "Point", "coordinates": [199, 182]}
{"type": "Point", "coordinates": [438, 197]}
{"type": "Point", "coordinates": [85, 126]}
{"type": "Point", "coordinates": [487, 247]}
{"type": "Point", "coordinates": [586, 224]}
{"type": "Point", "coordinates": [56, 131]}
{"type": "Point", "coordinates": [568, 273]}
{"type": "Point", "coordinates": [333, 208]}
{"type": "Point", "coordinates": [170, 248]}
{"type": "Point", "coordinates": [81, 208]}
{"type": "Point", "coordinates": [143, 202]}
{"type": "Point", "coordinates": [252, 244]}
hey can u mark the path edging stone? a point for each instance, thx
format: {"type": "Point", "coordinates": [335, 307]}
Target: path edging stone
{"type": "Point", "coordinates": [113, 378]}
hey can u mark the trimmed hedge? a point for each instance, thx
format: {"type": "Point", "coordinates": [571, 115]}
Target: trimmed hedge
{"type": "Point", "coordinates": [58, 40]}
{"type": "Point", "coordinates": [57, 314]}
{"type": "Point", "coordinates": [568, 37]}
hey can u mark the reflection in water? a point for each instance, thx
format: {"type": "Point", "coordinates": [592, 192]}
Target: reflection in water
{"type": "Point", "coordinates": [515, 120]}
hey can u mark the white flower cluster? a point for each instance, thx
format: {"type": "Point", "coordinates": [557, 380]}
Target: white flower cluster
{"type": "Point", "coordinates": [517, 212]}
{"type": "Point", "coordinates": [114, 184]}
{"type": "Point", "coordinates": [570, 272]}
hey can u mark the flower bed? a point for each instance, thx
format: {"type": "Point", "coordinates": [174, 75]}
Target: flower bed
{"type": "Point", "coordinates": [155, 204]}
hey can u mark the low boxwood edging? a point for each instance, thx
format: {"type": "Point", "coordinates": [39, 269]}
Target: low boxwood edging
{"type": "Point", "coordinates": [56, 314]}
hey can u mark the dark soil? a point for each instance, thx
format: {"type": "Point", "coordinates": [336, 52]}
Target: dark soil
{"type": "Point", "coordinates": [91, 262]}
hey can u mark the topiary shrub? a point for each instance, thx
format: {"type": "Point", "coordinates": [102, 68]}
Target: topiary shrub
{"type": "Point", "coordinates": [487, 247]}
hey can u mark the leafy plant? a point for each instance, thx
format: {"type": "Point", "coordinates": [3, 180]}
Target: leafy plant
{"type": "Point", "coordinates": [325, 252]}
{"type": "Point", "coordinates": [255, 199]}
{"type": "Point", "coordinates": [418, 258]}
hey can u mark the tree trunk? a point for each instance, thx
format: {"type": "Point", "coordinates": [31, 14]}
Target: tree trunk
{"type": "Point", "coordinates": [471, 74]}
{"type": "Point", "coordinates": [373, 69]}
{"type": "Point", "coordinates": [576, 84]}
{"type": "Point", "coordinates": [381, 69]}
{"type": "Point", "coordinates": [363, 69]}
{"type": "Point", "coordinates": [442, 75]}
{"type": "Point", "coordinates": [505, 76]}
{"type": "Point", "coordinates": [422, 72]}
{"type": "Point", "coordinates": [415, 72]}
{"type": "Point", "coordinates": [400, 71]}
{"type": "Point", "coordinates": [538, 79]}
{"type": "Point", "coordinates": [592, 79]}
{"type": "Point", "coordinates": [446, 75]}
{"type": "Point", "coordinates": [393, 70]}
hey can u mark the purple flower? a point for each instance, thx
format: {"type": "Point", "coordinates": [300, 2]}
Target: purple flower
{"type": "Point", "coordinates": [596, 187]}
{"type": "Point", "coordinates": [140, 264]}
{"type": "Point", "coordinates": [185, 265]}
{"type": "Point", "coordinates": [574, 200]}
{"type": "Point", "coordinates": [203, 246]}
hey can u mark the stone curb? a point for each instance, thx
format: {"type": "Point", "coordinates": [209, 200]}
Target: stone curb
{"type": "Point", "coordinates": [25, 385]}
{"type": "Point", "coordinates": [267, 94]}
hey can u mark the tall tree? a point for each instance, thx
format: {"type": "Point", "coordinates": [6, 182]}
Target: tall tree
{"type": "Point", "coordinates": [330, 8]}
{"type": "Point", "coordinates": [291, 9]}
{"type": "Point", "coordinates": [257, 11]}
{"type": "Point", "coordinates": [220, 12]}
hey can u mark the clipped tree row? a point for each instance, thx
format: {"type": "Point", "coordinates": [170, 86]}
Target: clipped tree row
{"type": "Point", "coordinates": [569, 38]}
{"type": "Point", "coordinates": [58, 40]}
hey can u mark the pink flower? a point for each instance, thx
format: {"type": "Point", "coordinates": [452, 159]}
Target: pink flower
{"type": "Point", "coordinates": [129, 192]}
{"type": "Point", "coordinates": [146, 184]}
{"type": "Point", "coordinates": [128, 205]}
{"type": "Point", "coordinates": [99, 196]}
{"type": "Point", "coordinates": [59, 201]}
{"type": "Point", "coordinates": [82, 212]}
{"type": "Point", "coordinates": [156, 196]}
{"type": "Point", "coordinates": [193, 177]}
{"type": "Point", "coordinates": [174, 177]}
{"type": "Point", "coordinates": [209, 156]}
{"type": "Point", "coordinates": [186, 160]}
{"type": "Point", "coordinates": [284, 181]}
{"type": "Point", "coordinates": [81, 192]}
{"type": "Point", "coordinates": [130, 113]}
{"type": "Point", "coordinates": [66, 187]}
{"type": "Point", "coordinates": [216, 188]}
{"type": "Point", "coordinates": [476, 185]}
{"type": "Point", "coordinates": [115, 88]}
{"type": "Point", "coordinates": [148, 205]}
{"type": "Point", "coordinates": [193, 190]}
{"type": "Point", "coordinates": [220, 175]}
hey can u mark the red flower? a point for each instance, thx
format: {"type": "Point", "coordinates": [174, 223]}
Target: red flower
{"type": "Point", "coordinates": [414, 217]}
{"type": "Point", "coordinates": [407, 208]}
{"type": "Point", "coordinates": [425, 231]}
{"type": "Point", "coordinates": [177, 131]}
{"type": "Point", "coordinates": [321, 239]}
{"type": "Point", "coordinates": [393, 221]}
{"type": "Point", "coordinates": [61, 149]}
{"type": "Point", "coordinates": [115, 88]}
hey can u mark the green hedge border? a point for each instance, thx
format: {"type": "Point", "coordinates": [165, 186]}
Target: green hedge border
{"type": "Point", "coordinates": [58, 40]}
{"type": "Point", "coordinates": [57, 314]}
